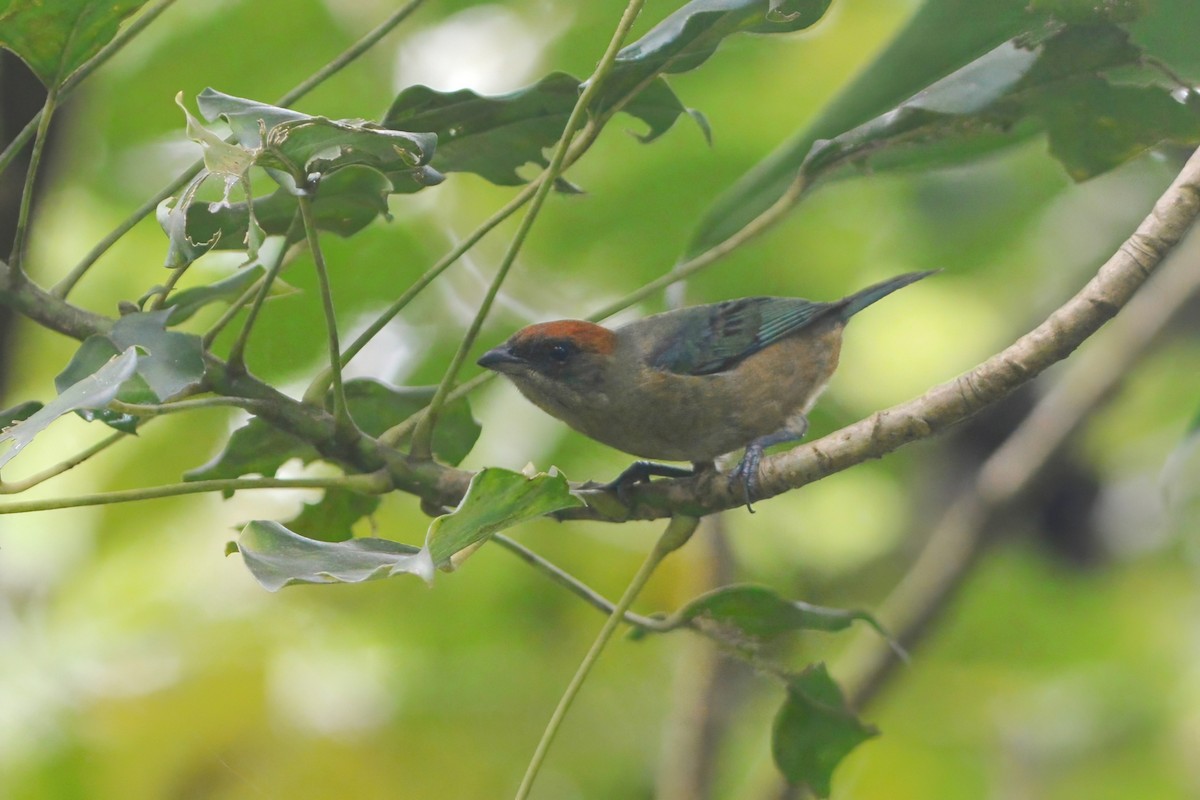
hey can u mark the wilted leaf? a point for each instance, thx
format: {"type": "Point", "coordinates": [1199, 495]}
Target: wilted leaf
{"type": "Point", "coordinates": [317, 145]}
{"type": "Point", "coordinates": [814, 730]}
{"type": "Point", "coordinates": [94, 390]}
{"type": "Point", "coordinates": [56, 37]}
{"type": "Point", "coordinates": [348, 201]}
{"type": "Point", "coordinates": [290, 146]}
{"type": "Point", "coordinates": [495, 500]}
{"type": "Point", "coordinates": [277, 558]}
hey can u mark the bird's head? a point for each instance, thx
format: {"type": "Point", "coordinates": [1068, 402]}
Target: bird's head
{"type": "Point", "coordinates": [556, 363]}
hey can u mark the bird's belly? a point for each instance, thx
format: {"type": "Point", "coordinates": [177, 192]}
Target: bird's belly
{"type": "Point", "coordinates": [701, 417]}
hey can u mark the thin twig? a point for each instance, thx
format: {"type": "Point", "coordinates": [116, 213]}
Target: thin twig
{"type": "Point", "coordinates": [423, 435]}
{"type": "Point", "coordinates": [571, 583]}
{"type": "Point", "coordinates": [369, 483]}
{"type": "Point", "coordinates": [678, 531]}
{"type": "Point", "coordinates": [237, 353]}
{"type": "Point", "coordinates": [341, 413]}
{"type": "Point", "coordinates": [159, 409]}
{"type": "Point", "coordinates": [16, 487]}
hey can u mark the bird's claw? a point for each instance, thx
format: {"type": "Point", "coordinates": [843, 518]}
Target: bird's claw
{"type": "Point", "coordinates": [746, 471]}
{"type": "Point", "coordinates": [640, 472]}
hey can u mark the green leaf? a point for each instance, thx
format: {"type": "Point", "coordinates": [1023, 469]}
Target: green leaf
{"type": "Point", "coordinates": [814, 730]}
{"type": "Point", "coordinates": [685, 39]}
{"type": "Point", "coordinates": [91, 356]}
{"type": "Point", "coordinates": [1093, 126]}
{"type": "Point", "coordinates": [94, 390]}
{"type": "Point", "coordinates": [256, 448]}
{"type": "Point", "coordinates": [277, 558]}
{"type": "Point", "coordinates": [750, 616]}
{"type": "Point", "coordinates": [494, 136]}
{"type": "Point", "coordinates": [172, 364]}
{"type": "Point", "coordinates": [1054, 82]}
{"type": "Point", "coordinates": [1017, 89]}
{"type": "Point", "coordinates": [174, 361]}
{"type": "Point", "coordinates": [56, 37]}
{"type": "Point", "coordinates": [939, 38]}
{"type": "Point", "coordinates": [376, 406]}
{"type": "Point", "coordinates": [332, 518]}
{"type": "Point", "coordinates": [185, 303]}
{"type": "Point", "coordinates": [495, 500]}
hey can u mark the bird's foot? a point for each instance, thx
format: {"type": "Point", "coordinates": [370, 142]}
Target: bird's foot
{"type": "Point", "coordinates": [641, 472]}
{"type": "Point", "coordinates": [746, 471]}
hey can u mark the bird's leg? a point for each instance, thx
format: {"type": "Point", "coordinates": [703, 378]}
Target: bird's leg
{"type": "Point", "coordinates": [747, 469]}
{"type": "Point", "coordinates": [640, 472]}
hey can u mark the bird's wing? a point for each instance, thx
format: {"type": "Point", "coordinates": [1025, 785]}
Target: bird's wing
{"type": "Point", "coordinates": [733, 330]}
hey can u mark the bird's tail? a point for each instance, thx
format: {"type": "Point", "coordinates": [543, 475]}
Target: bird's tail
{"type": "Point", "coordinates": [861, 299]}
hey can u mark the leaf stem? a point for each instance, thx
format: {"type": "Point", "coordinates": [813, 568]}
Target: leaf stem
{"type": "Point", "coordinates": [237, 353]}
{"type": "Point", "coordinates": [230, 313]}
{"type": "Point", "coordinates": [703, 260]}
{"type": "Point", "coordinates": [321, 382]}
{"type": "Point", "coordinates": [341, 413]}
{"type": "Point", "coordinates": [678, 531]}
{"type": "Point", "coordinates": [158, 409]}
{"type": "Point", "coordinates": [573, 584]}
{"type": "Point", "coordinates": [423, 434]}
{"type": "Point", "coordinates": [366, 483]}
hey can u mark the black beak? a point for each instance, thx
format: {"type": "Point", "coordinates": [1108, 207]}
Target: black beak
{"type": "Point", "coordinates": [497, 357]}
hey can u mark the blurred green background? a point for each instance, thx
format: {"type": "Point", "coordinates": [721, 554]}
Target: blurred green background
{"type": "Point", "coordinates": [137, 661]}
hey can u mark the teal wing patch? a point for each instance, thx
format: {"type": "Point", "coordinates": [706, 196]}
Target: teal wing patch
{"type": "Point", "coordinates": [734, 330]}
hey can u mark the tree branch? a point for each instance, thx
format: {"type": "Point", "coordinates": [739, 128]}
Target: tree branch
{"type": "Point", "coordinates": [958, 538]}
{"type": "Point", "coordinates": [951, 402]}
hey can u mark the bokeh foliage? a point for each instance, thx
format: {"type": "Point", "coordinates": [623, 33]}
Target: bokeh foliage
{"type": "Point", "coordinates": [130, 621]}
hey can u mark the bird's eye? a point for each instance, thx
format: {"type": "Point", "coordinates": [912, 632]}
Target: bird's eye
{"type": "Point", "coordinates": [559, 352]}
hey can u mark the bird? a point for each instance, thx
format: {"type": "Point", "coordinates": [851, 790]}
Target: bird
{"type": "Point", "coordinates": [691, 384]}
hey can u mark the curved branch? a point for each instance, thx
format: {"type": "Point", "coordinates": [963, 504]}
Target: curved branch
{"type": "Point", "coordinates": [953, 401]}
{"type": "Point", "coordinates": [47, 310]}
{"type": "Point", "coordinates": [958, 538]}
